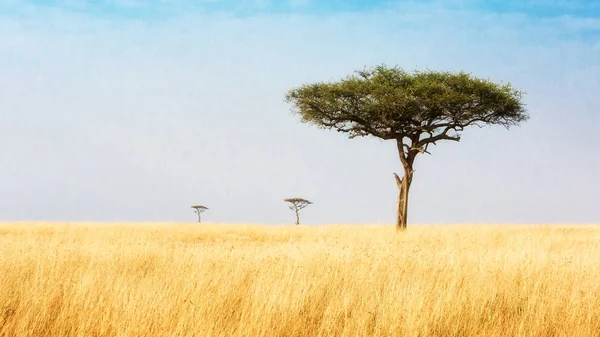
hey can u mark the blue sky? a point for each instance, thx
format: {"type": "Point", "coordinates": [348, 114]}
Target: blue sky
{"type": "Point", "coordinates": [162, 8]}
{"type": "Point", "coordinates": [133, 110]}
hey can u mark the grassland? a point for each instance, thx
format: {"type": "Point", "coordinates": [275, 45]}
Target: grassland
{"type": "Point", "coordinates": [208, 280]}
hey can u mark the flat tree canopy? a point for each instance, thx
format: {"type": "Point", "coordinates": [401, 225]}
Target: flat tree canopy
{"type": "Point", "coordinates": [298, 203]}
{"type": "Point", "coordinates": [414, 109]}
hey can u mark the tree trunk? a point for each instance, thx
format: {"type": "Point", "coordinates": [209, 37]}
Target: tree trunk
{"type": "Point", "coordinates": [402, 209]}
{"type": "Point", "coordinates": [407, 159]}
{"type": "Point", "coordinates": [199, 218]}
{"type": "Point", "coordinates": [297, 218]}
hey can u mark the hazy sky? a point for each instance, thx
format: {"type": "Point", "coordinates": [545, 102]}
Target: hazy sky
{"type": "Point", "coordinates": [133, 110]}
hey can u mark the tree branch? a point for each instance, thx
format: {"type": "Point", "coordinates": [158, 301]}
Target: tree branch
{"type": "Point", "coordinates": [441, 136]}
{"type": "Point", "coordinates": [398, 180]}
{"type": "Point", "coordinates": [358, 126]}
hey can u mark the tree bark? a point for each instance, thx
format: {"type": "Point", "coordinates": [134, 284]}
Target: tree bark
{"type": "Point", "coordinates": [199, 218]}
{"type": "Point", "coordinates": [403, 184]}
{"type": "Point", "coordinates": [297, 218]}
{"type": "Point", "coordinates": [402, 210]}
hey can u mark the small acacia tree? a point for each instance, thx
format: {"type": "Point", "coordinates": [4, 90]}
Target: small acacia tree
{"type": "Point", "coordinates": [414, 110]}
{"type": "Point", "coordinates": [199, 209]}
{"type": "Point", "coordinates": [296, 205]}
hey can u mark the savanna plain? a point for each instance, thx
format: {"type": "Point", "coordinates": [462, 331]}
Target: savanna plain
{"type": "Point", "coordinates": [85, 279]}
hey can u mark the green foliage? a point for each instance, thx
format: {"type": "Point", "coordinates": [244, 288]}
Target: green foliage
{"type": "Point", "coordinates": [199, 208]}
{"type": "Point", "coordinates": [423, 106]}
{"type": "Point", "coordinates": [297, 203]}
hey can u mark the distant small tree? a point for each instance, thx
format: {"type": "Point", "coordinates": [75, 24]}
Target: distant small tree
{"type": "Point", "coordinates": [296, 205]}
{"type": "Point", "coordinates": [199, 209]}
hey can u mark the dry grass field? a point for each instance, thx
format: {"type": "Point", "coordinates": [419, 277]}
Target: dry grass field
{"type": "Point", "coordinates": [208, 280]}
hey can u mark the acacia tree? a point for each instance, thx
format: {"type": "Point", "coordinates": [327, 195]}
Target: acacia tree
{"type": "Point", "coordinates": [296, 205]}
{"type": "Point", "coordinates": [414, 110]}
{"type": "Point", "coordinates": [199, 209]}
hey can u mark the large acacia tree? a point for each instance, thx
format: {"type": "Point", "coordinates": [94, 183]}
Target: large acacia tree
{"type": "Point", "coordinates": [414, 110]}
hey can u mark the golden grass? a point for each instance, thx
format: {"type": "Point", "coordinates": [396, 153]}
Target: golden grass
{"type": "Point", "coordinates": [209, 280]}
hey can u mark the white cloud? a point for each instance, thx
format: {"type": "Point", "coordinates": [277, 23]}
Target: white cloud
{"type": "Point", "coordinates": [577, 24]}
